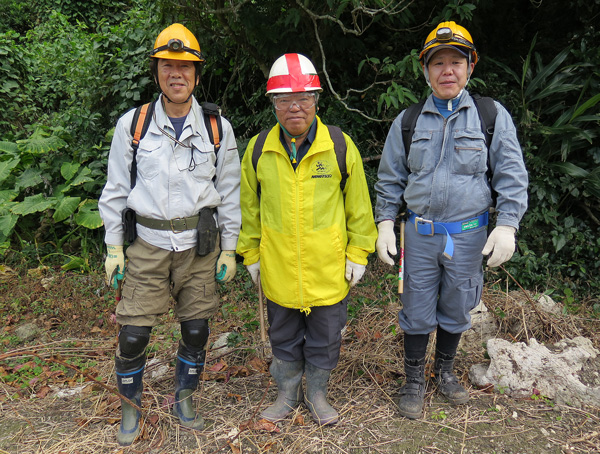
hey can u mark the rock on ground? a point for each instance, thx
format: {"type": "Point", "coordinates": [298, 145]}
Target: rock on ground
{"type": "Point", "coordinates": [555, 371]}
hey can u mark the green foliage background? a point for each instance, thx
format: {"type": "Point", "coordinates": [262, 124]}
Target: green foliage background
{"type": "Point", "coordinates": [69, 69]}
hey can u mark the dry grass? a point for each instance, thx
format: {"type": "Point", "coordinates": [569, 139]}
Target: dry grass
{"type": "Point", "coordinates": [362, 388]}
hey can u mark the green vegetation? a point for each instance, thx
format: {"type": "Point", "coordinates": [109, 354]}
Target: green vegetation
{"type": "Point", "coordinates": [69, 69]}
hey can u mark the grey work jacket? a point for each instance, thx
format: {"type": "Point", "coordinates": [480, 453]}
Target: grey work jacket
{"type": "Point", "coordinates": [445, 177]}
{"type": "Point", "coordinates": [165, 188]}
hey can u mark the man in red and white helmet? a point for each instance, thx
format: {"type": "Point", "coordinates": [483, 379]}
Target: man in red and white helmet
{"type": "Point", "coordinates": [307, 229]}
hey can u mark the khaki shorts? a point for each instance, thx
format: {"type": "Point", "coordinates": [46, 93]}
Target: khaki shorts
{"type": "Point", "coordinates": [153, 275]}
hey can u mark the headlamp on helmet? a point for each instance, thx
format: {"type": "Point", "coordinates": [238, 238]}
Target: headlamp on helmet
{"type": "Point", "coordinates": [176, 42]}
{"type": "Point", "coordinates": [449, 34]}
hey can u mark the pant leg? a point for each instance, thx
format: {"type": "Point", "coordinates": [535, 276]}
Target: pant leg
{"type": "Point", "coordinates": [423, 272]}
{"type": "Point", "coordinates": [462, 282]}
{"type": "Point", "coordinates": [287, 328]}
{"type": "Point", "coordinates": [323, 340]}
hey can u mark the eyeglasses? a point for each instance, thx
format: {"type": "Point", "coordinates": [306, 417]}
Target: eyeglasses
{"type": "Point", "coordinates": [285, 102]}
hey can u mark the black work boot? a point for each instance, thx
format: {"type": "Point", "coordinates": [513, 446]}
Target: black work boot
{"type": "Point", "coordinates": [446, 380]}
{"type": "Point", "coordinates": [129, 384]}
{"type": "Point", "coordinates": [412, 394]}
{"type": "Point", "coordinates": [316, 395]}
{"type": "Point", "coordinates": [188, 368]}
{"type": "Point", "coordinates": [288, 376]}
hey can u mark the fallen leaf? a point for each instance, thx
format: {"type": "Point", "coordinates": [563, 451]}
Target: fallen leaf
{"type": "Point", "coordinates": [267, 446]}
{"type": "Point", "coordinates": [237, 397]}
{"type": "Point", "coordinates": [43, 392]}
{"type": "Point", "coordinates": [263, 424]}
{"type": "Point", "coordinates": [234, 448]}
{"type": "Point", "coordinates": [218, 366]}
{"type": "Point", "coordinates": [258, 364]}
{"type": "Point", "coordinates": [298, 420]}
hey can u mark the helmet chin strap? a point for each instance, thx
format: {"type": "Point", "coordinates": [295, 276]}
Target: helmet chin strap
{"type": "Point", "coordinates": [173, 102]}
{"type": "Point", "coordinates": [293, 137]}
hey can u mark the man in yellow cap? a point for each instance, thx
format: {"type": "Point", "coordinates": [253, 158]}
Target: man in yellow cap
{"type": "Point", "coordinates": [174, 196]}
{"type": "Point", "coordinates": [440, 177]}
{"type": "Point", "coordinates": [307, 229]}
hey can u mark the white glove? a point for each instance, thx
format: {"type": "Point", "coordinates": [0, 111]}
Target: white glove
{"type": "Point", "coordinates": [386, 241]}
{"type": "Point", "coordinates": [114, 264]}
{"type": "Point", "coordinates": [354, 272]}
{"type": "Point", "coordinates": [501, 243]}
{"type": "Point", "coordinates": [226, 266]}
{"type": "Point", "coordinates": [254, 271]}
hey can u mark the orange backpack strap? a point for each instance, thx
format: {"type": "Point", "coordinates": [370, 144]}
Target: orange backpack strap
{"type": "Point", "coordinates": [139, 125]}
{"type": "Point", "coordinates": [214, 126]}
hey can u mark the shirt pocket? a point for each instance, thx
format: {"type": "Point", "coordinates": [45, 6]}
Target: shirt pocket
{"type": "Point", "coordinates": [148, 158]}
{"type": "Point", "coordinates": [421, 156]}
{"type": "Point", "coordinates": [470, 153]}
{"type": "Point", "coordinates": [203, 159]}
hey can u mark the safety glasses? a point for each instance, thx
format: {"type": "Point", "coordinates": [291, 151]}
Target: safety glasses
{"type": "Point", "coordinates": [304, 101]}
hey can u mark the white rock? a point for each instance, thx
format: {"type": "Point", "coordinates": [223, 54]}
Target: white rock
{"type": "Point", "coordinates": [517, 369]}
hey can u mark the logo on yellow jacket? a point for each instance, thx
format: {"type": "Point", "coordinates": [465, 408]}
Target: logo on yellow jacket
{"type": "Point", "coordinates": [321, 169]}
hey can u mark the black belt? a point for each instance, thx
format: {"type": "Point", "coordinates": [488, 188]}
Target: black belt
{"type": "Point", "coordinates": [176, 225]}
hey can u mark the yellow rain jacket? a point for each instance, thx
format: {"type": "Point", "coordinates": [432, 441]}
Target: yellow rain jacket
{"type": "Point", "coordinates": [302, 228]}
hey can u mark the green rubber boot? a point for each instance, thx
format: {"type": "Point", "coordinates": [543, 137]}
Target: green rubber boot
{"type": "Point", "coordinates": [412, 394]}
{"type": "Point", "coordinates": [448, 382]}
{"type": "Point", "coordinates": [187, 375]}
{"type": "Point", "coordinates": [129, 383]}
{"type": "Point", "coordinates": [288, 376]}
{"type": "Point", "coordinates": [316, 395]}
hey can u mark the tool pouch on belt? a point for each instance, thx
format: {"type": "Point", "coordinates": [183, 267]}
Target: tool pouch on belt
{"type": "Point", "coordinates": [129, 227]}
{"type": "Point", "coordinates": [207, 232]}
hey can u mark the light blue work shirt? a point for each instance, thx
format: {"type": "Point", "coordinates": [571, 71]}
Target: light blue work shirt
{"type": "Point", "coordinates": [445, 177]}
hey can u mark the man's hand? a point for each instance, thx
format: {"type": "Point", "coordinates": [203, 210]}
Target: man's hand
{"type": "Point", "coordinates": [226, 266]}
{"type": "Point", "coordinates": [114, 264]}
{"type": "Point", "coordinates": [354, 272]}
{"type": "Point", "coordinates": [386, 242]}
{"type": "Point", "coordinates": [501, 243]}
{"type": "Point", "coordinates": [254, 271]}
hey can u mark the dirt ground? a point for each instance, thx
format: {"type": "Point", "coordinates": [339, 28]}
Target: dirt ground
{"type": "Point", "coordinates": [76, 410]}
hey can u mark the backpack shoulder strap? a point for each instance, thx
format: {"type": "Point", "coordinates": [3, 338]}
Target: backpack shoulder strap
{"type": "Point", "coordinates": [214, 125]}
{"type": "Point", "coordinates": [258, 147]}
{"type": "Point", "coordinates": [339, 145]}
{"type": "Point", "coordinates": [409, 121]}
{"type": "Point", "coordinates": [257, 152]}
{"type": "Point", "coordinates": [139, 125]}
{"type": "Point", "coordinates": [487, 114]}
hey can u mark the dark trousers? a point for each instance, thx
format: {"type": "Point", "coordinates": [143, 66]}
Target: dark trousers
{"type": "Point", "coordinates": [315, 338]}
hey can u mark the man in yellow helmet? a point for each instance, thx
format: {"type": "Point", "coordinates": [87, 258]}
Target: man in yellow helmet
{"type": "Point", "coordinates": [305, 235]}
{"type": "Point", "coordinates": [440, 178]}
{"type": "Point", "coordinates": [175, 196]}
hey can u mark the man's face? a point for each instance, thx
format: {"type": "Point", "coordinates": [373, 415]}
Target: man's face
{"type": "Point", "coordinates": [295, 111]}
{"type": "Point", "coordinates": [448, 73]}
{"type": "Point", "coordinates": [176, 78]}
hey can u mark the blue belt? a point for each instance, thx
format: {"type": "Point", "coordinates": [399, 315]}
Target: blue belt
{"type": "Point", "coordinates": [426, 227]}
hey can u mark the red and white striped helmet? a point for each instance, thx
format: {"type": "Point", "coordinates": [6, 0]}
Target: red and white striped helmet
{"type": "Point", "coordinates": [292, 73]}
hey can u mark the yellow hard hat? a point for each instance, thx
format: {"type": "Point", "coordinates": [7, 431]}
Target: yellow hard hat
{"type": "Point", "coordinates": [176, 42]}
{"type": "Point", "coordinates": [449, 34]}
